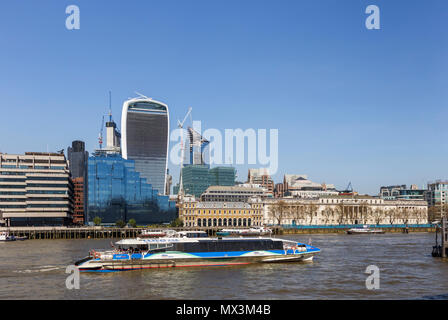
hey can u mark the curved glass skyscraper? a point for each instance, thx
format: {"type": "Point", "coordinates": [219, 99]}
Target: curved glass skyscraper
{"type": "Point", "coordinates": [145, 138]}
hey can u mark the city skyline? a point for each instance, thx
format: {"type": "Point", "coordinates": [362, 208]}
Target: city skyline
{"type": "Point", "coordinates": [356, 113]}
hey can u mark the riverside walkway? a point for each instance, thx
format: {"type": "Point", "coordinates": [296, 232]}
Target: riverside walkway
{"type": "Point", "coordinates": [95, 232]}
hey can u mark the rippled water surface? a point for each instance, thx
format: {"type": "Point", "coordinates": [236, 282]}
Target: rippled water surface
{"type": "Point", "coordinates": [36, 270]}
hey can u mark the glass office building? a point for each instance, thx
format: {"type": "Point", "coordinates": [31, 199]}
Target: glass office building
{"type": "Point", "coordinates": [145, 138]}
{"type": "Point", "coordinates": [222, 176]}
{"type": "Point", "coordinates": [197, 178]}
{"type": "Point", "coordinates": [117, 191]}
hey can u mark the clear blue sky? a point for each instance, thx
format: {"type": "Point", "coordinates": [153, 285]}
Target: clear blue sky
{"type": "Point", "coordinates": [351, 104]}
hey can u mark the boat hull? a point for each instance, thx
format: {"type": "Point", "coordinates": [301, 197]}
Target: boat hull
{"type": "Point", "coordinates": [96, 265]}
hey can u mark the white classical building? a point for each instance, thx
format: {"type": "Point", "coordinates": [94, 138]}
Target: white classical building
{"type": "Point", "coordinates": [337, 210]}
{"type": "Point", "coordinates": [298, 185]}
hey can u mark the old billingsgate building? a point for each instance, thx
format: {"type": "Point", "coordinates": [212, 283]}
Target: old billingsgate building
{"type": "Point", "coordinates": [337, 210]}
{"type": "Point", "coordinates": [216, 213]}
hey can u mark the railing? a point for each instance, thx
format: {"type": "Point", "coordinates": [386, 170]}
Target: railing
{"type": "Point", "coordinates": [349, 226]}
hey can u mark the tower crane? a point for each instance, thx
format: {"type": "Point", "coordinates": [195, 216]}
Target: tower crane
{"type": "Point", "coordinates": [100, 135]}
{"type": "Point", "coordinates": [180, 125]}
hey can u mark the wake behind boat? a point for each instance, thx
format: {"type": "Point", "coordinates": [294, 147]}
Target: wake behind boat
{"type": "Point", "coordinates": [194, 249]}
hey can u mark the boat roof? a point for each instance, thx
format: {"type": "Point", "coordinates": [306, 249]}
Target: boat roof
{"type": "Point", "coordinates": [139, 241]}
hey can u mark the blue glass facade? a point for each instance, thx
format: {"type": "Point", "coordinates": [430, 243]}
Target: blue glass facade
{"type": "Point", "coordinates": [118, 192]}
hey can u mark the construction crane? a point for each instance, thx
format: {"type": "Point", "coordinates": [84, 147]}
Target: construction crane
{"type": "Point", "coordinates": [348, 191]}
{"type": "Point", "coordinates": [100, 135]}
{"type": "Point", "coordinates": [180, 125]}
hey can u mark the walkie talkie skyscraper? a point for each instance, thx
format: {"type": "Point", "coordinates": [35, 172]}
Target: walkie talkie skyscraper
{"type": "Point", "coordinates": [145, 138]}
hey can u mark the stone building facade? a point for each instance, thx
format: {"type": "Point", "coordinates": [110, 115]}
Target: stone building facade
{"type": "Point", "coordinates": [337, 210]}
{"type": "Point", "coordinates": [195, 213]}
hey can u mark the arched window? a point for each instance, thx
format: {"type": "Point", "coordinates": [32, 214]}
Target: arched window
{"type": "Point", "coordinates": [214, 222]}
{"type": "Point", "coordinates": [239, 222]}
{"type": "Point", "coordinates": [220, 222]}
{"type": "Point", "coordinates": [225, 222]}
{"type": "Point", "coordinates": [199, 222]}
{"type": "Point", "coordinates": [249, 222]}
{"type": "Point", "coordinates": [244, 222]}
{"type": "Point", "coordinates": [209, 222]}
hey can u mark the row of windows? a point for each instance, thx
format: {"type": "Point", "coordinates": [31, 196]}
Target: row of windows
{"type": "Point", "coordinates": [33, 167]}
{"type": "Point", "coordinates": [219, 212]}
{"type": "Point", "coordinates": [49, 178]}
{"type": "Point", "coordinates": [228, 245]}
{"type": "Point", "coordinates": [12, 186]}
{"type": "Point", "coordinates": [47, 206]}
{"type": "Point", "coordinates": [10, 206]}
{"type": "Point", "coordinates": [49, 185]}
{"type": "Point", "coordinates": [47, 191]}
{"type": "Point", "coordinates": [193, 205]}
{"type": "Point", "coordinates": [47, 199]}
{"type": "Point", "coordinates": [12, 200]}
{"type": "Point", "coordinates": [12, 193]}
{"type": "Point", "coordinates": [224, 222]}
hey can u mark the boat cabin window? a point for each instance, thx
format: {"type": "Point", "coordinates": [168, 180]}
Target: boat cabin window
{"type": "Point", "coordinates": [194, 234]}
{"type": "Point", "coordinates": [141, 248]}
{"type": "Point", "coordinates": [229, 245]}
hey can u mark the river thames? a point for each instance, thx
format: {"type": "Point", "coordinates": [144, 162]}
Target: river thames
{"type": "Point", "coordinates": [35, 269]}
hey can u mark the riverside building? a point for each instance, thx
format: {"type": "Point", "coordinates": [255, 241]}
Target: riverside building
{"type": "Point", "coordinates": [300, 186]}
{"type": "Point", "coordinates": [261, 176]}
{"type": "Point", "coordinates": [36, 189]}
{"type": "Point", "coordinates": [337, 210]}
{"type": "Point", "coordinates": [437, 193]}
{"type": "Point", "coordinates": [117, 191]}
{"type": "Point", "coordinates": [402, 192]}
{"type": "Point", "coordinates": [233, 193]}
{"type": "Point", "coordinates": [77, 159]}
{"type": "Point", "coordinates": [195, 213]}
{"type": "Point", "coordinates": [197, 178]}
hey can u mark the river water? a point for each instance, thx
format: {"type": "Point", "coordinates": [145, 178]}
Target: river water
{"type": "Point", "coordinates": [35, 269]}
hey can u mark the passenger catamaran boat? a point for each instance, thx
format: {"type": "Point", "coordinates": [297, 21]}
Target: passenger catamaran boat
{"type": "Point", "coordinates": [364, 230]}
{"type": "Point", "coordinates": [194, 249]}
{"type": "Point", "coordinates": [4, 236]}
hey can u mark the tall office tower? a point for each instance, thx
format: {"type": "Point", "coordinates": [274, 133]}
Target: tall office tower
{"type": "Point", "coordinates": [77, 160]}
{"type": "Point", "coordinates": [197, 146]}
{"type": "Point", "coordinates": [145, 138]}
